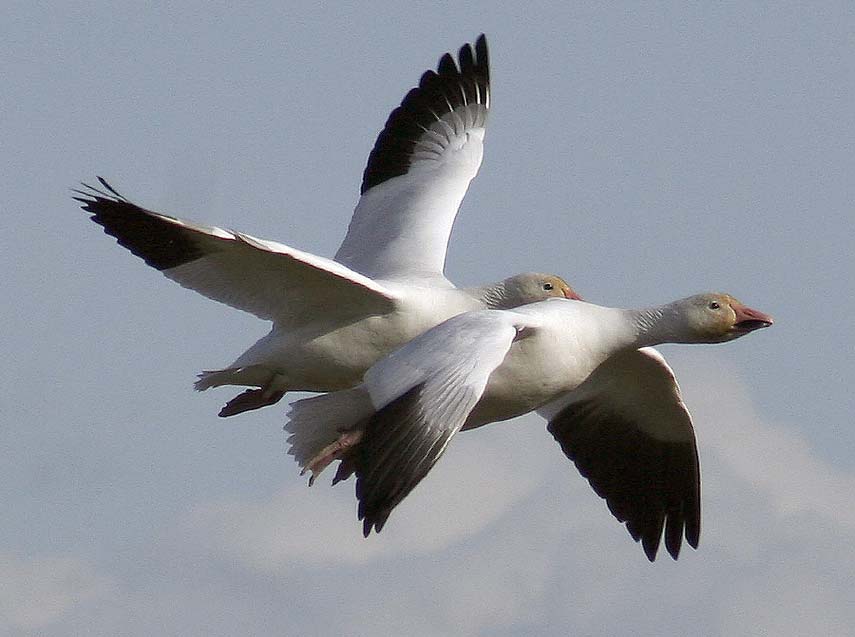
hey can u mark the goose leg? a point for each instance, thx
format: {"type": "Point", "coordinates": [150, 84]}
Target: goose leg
{"type": "Point", "coordinates": [253, 399]}
{"type": "Point", "coordinates": [331, 452]}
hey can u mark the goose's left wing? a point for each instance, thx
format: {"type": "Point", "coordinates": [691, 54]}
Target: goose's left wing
{"type": "Point", "coordinates": [629, 433]}
{"type": "Point", "coordinates": [419, 171]}
{"type": "Point", "coordinates": [424, 393]}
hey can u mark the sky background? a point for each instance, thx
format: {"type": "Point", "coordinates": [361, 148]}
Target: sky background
{"type": "Point", "coordinates": [644, 154]}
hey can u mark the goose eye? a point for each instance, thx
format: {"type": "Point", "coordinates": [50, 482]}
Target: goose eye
{"type": "Point", "coordinates": [548, 286]}
{"type": "Point", "coordinates": [714, 305]}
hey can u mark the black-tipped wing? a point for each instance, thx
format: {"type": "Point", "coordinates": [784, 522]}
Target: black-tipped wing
{"type": "Point", "coordinates": [427, 389]}
{"type": "Point", "coordinates": [629, 433]}
{"type": "Point", "coordinates": [446, 103]}
{"type": "Point", "coordinates": [419, 171]}
{"type": "Point", "coordinates": [400, 446]}
{"type": "Point", "coordinates": [265, 278]}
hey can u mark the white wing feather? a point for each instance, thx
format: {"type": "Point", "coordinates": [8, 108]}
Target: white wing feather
{"type": "Point", "coordinates": [401, 227]}
{"type": "Point", "coordinates": [641, 387]}
{"type": "Point", "coordinates": [266, 278]}
{"type": "Point", "coordinates": [461, 352]}
{"type": "Point", "coordinates": [419, 171]}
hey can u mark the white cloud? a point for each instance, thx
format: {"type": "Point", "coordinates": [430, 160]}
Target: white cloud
{"type": "Point", "coordinates": [41, 591]}
{"type": "Point", "coordinates": [505, 536]}
{"type": "Point", "coordinates": [782, 602]}
{"type": "Point", "coordinates": [471, 487]}
{"type": "Point", "coordinates": [774, 460]}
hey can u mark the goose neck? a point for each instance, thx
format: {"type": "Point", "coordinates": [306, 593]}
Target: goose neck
{"type": "Point", "coordinates": [657, 325]}
{"type": "Point", "coordinates": [494, 296]}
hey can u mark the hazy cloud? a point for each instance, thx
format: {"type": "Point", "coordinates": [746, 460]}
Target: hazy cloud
{"type": "Point", "coordinates": [41, 591]}
{"type": "Point", "coordinates": [471, 552]}
{"type": "Point", "coordinates": [474, 484]}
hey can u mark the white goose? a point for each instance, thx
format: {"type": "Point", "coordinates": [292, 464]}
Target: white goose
{"type": "Point", "coordinates": [615, 409]}
{"type": "Point", "coordinates": [333, 318]}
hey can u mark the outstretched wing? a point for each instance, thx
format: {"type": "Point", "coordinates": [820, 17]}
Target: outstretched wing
{"type": "Point", "coordinates": [629, 433]}
{"type": "Point", "coordinates": [423, 393]}
{"type": "Point", "coordinates": [419, 171]}
{"type": "Point", "coordinates": [265, 278]}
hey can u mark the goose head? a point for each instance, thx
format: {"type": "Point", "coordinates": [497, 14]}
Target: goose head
{"type": "Point", "coordinates": [534, 286]}
{"type": "Point", "coordinates": [718, 318]}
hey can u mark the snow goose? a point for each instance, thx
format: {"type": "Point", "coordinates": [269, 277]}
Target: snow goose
{"type": "Point", "coordinates": [612, 404]}
{"type": "Point", "coordinates": [332, 318]}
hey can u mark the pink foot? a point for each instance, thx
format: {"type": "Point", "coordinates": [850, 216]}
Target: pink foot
{"type": "Point", "coordinates": [332, 452]}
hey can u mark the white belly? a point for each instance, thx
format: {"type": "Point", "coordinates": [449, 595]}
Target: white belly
{"type": "Point", "coordinates": [531, 375]}
{"type": "Point", "coordinates": [329, 358]}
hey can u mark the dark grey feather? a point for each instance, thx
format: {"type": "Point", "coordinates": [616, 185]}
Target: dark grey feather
{"type": "Point", "coordinates": [649, 484]}
{"type": "Point", "coordinates": [398, 449]}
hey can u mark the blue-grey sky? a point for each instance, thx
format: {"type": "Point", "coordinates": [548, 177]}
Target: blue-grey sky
{"type": "Point", "coordinates": [644, 154]}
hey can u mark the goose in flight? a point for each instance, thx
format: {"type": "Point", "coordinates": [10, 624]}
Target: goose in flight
{"type": "Point", "coordinates": [333, 318]}
{"type": "Point", "coordinates": [610, 399]}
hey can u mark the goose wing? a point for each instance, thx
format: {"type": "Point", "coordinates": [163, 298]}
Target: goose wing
{"type": "Point", "coordinates": [629, 433]}
{"type": "Point", "coordinates": [424, 393]}
{"type": "Point", "coordinates": [419, 171]}
{"type": "Point", "coordinates": [268, 279]}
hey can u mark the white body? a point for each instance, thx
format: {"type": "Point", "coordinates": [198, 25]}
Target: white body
{"type": "Point", "coordinates": [612, 403]}
{"type": "Point", "coordinates": [533, 373]}
{"type": "Point", "coordinates": [323, 356]}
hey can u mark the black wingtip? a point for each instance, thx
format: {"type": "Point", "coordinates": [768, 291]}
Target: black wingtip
{"type": "Point", "coordinates": [674, 532]}
{"type": "Point", "coordinates": [650, 544]}
{"type": "Point", "coordinates": [482, 53]}
{"type": "Point", "coordinates": [693, 541]}
{"type": "Point", "coordinates": [693, 529]}
{"type": "Point", "coordinates": [673, 549]}
{"type": "Point", "coordinates": [452, 85]}
{"type": "Point", "coordinates": [109, 187]}
{"type": "Point", "coordinates": [447, 65]}
{"type": "Point", "coordinates": [652, 487]}
{"type": "Point", "coordinates": [93, 194]}
{"type": "Point", "coordinates": [396, 452]}
{"type": "Point", "coordinates": [374, 520]}
{"type": "Point", "coordinates": [155, 238]}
